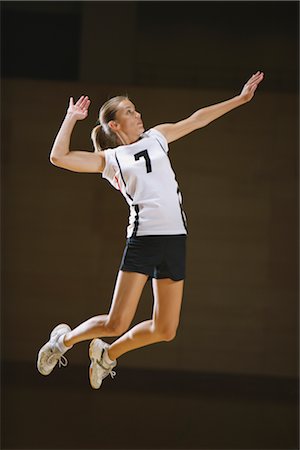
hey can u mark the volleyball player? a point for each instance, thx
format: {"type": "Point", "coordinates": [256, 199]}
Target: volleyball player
{"type": "Point", "coordinates": [136, 163]}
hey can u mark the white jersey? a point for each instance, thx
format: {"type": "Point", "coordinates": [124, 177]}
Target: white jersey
{"type": "Point", "coordinates": [143, 173]}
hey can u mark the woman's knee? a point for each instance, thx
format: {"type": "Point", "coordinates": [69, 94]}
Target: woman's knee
{"type": "Point", "coordinates": [116, 326]}
{"type": "Point", "coordinates": [169, 335]}
{"type": "Point", "coordinates": [166, 334]}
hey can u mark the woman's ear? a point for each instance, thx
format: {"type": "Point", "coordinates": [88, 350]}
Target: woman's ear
{"type": "Point", "coordinates": [113, 125]}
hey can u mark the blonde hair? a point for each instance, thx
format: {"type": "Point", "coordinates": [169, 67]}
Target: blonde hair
{"type": "Point", "coordinates": [102, 135]}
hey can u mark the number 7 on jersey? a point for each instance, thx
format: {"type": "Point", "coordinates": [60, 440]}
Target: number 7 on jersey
{"type": "Point", "coordinates": [144, 154]}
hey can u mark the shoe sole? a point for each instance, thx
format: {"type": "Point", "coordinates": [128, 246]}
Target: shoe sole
{"type": "Point", "coordinates": [39, 368]}
{"type": "Point", "coordinates": [53, 333]}
{"type": "Point", "coordinates": [91, 368]}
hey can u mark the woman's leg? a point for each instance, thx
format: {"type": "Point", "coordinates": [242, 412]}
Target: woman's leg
{"type": "Point", "coordinates": [166, 312]}
{"type": "Point", "coordinates": [129, 287]}
{"type": "Point", "coordinates": [128, 290]}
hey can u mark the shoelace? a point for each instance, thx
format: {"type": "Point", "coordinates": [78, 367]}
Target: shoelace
{"type": "Point", "coordinates": [109, 371]}
{"type": "Point", "coordinates": [112, 373]}
{"type": "Point", "coordinates": [62, 360]}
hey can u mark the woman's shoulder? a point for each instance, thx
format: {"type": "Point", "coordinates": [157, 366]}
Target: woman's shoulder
{"type": "Point", "coordinates": [156, 134]}
{"type": "Point", "coordinates": [151, 132]}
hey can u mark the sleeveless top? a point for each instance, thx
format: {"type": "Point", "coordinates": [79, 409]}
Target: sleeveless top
{"type": "Point", "coordinates": [142, 172]}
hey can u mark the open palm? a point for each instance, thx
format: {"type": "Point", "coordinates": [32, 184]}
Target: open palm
{"type": "Point", "coordinates": [79, 110]}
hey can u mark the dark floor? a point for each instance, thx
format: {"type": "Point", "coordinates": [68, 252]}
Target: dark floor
{"type": "Point", "coordinates": [143, 409]}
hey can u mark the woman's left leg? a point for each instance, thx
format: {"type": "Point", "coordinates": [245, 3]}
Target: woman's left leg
{"type": "Point", "coordinates": [163, 325]}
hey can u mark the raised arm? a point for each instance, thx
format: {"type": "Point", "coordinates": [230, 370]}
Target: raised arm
{"type": "Point", "coordinates": [62, 156]}
{"type": "Point", "coordinates": [202, 117]}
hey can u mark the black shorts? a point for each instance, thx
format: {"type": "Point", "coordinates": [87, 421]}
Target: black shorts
{"type": "Point", "coordinates": [161, 256]}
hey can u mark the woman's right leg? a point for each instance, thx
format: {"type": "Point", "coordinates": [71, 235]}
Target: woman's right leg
{"type": "Point", "coordinates": [162, 327]}
{"type": "Point", "coordinates": [127, 293]}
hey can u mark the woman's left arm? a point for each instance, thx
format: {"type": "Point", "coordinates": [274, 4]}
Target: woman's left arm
{"type": "Point", "coordinates": [202, 117]}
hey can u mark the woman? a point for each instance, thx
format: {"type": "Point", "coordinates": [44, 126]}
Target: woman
{"type": "Point", "coordinates": [136, 163]}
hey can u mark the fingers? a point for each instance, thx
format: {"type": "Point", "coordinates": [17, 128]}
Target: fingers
{"type": "Point", "coordinates": [83, 102]}
{"type": "Point", "coordinates": [256, 77]}
{"type": "Point", "coordinates": [257, 74]}
{"type": "Point", "coordinates": [254, 81]}
{"type": "Point", "coordinates": [86, 103]}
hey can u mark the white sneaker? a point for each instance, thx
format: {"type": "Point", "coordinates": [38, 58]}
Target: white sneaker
{"type": "Point", "coordinates": [99, 369]}
{"type": "Point", "coordinates": [49, 355]}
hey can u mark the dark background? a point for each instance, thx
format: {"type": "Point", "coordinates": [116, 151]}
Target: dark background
{"type": "Point", "coordinates": [229, 380]}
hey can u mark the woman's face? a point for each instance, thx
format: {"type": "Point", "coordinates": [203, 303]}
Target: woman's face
{"type": "Point", "coordinates": [128, 120]}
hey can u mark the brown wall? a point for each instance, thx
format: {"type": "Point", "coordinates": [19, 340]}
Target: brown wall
{"type": "Point", "coordinates": [64, 233]}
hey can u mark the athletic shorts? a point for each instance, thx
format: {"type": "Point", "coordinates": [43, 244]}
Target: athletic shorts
{"type": "Point", "coordinates": [161, 256]}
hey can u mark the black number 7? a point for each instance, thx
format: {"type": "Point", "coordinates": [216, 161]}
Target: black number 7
{"type": "Point", "coordinates": [144, 154]}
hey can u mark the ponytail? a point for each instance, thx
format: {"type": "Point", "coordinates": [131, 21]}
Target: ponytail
{"type": "Point", "coordinates": [102, 135]}
{"type": "Point", "coordinates": [102, 140]}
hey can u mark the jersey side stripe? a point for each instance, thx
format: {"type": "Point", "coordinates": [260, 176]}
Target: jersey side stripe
{"type": "Point", "coordinates": [160, 144]}
{"type": "Point", "coordinates": [136, 222]}
{"type": "Point", "coordinates": [123, 177]}
{"type": "Point", "coordinates": [182, 212]}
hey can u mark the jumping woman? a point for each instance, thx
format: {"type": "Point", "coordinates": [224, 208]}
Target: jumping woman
{"type": "Point", "coordinates": [135, 162]}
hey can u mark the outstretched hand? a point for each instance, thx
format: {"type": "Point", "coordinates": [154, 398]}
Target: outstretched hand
{"type": "Point", "coordinates": [250, 87]}
{"type": "Point", "coordinates": [79, 110]}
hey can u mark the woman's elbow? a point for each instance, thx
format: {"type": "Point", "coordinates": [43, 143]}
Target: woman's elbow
{"type": "Point", "coordinates": [54, 160]}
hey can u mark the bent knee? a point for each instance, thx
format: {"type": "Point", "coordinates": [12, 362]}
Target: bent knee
{"type": "Point", "coordinates": [166, 334]}
{"type": "Point", "coordinates": [169, 335]}
{"type": "Point", "coordinates": [116, 327]}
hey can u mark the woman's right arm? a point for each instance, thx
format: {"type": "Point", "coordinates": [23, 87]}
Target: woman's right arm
{"type": "Point", "coordinates": [77, 161]}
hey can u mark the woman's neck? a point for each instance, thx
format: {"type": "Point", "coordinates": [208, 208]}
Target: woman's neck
{"type": "Point", "coordinates": [127, 140]}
